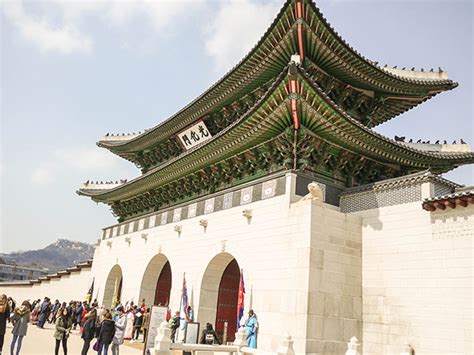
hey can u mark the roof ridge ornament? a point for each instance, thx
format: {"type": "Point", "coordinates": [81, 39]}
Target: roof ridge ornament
{"type": "Point", "coordinates": [295, 59]}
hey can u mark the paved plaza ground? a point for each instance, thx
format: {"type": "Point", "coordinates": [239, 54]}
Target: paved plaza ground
{"type": "Point", "coordinates": [41, 342]}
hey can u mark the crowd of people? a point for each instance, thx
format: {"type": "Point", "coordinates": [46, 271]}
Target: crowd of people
{"type": "Point", "coordinates": [109, 327]}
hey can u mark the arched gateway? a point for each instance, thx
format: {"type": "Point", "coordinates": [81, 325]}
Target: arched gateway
{"type": "Point", "coordinates": [113, 286]}
{"type": "Point", "coordinates": [156, 283]}
{"type": "Point", "coordinates": [219, 292]}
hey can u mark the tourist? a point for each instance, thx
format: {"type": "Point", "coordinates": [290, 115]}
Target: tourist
{"type": "Point", "coordinates": [174, 325]}
{"type": "Point", "coordinates": [36, 311]}
{"type": "Point", "coordinates": [44, 312]}
{"type": "Point", "coordinates": [19, 319]}
{"type": "Point", "coordinates": [33, 306]}
{"type": "Point", "coordinates": [146, 321]}
{"type": "Point", "coordinates": [62, 330]}
{"type": "Point", "coordinates": [76, 317]}
{"type": "Point", "coordinates": [251, 327]}
{"type": "Point", "coordinates": [129, 328]}
{"type": "Point", "coordinates": [120, 325]}
{"type": "Point", "coordinates": [209, 335]}
{"type": "Point", "coordinates": [106, 333]}
{"type": "Point", "coordinates": [12, 304]}
{"type": "Point", "coordinates": [101, 314]}
{"type": "Point", "coordinates": [56, 307]}
{"type": "Point", "coordinates": [137, 324]}
{"type": "Point", "coordinates": [88, 330]}
{"type": "Point", "coordinates": [4, 316]}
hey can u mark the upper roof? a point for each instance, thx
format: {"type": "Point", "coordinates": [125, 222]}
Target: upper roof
{"type": "Point", "coordinates": [300, 28]}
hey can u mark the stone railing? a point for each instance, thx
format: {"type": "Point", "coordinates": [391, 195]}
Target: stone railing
{"type": "Point", "coordinates": [164, 346]}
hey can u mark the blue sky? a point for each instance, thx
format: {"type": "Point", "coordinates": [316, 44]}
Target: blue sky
{"type": "Point", "coordinates": [73, 71]}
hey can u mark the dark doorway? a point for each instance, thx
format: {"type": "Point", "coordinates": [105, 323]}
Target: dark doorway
{"type": "Point", "coordinates": [163, 286]}
{"type": "Point", "coordinates": [227, 301]}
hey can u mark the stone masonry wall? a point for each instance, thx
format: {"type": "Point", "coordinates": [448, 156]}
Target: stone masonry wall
{"type": "Point", "coordinates": [417, 280]}
{"type": "Point", "coordinates": [269, 248]}
{"type": "Point", "coordinates": [335, 303]}
{"type": "Point", "coordinates": [66, 288]}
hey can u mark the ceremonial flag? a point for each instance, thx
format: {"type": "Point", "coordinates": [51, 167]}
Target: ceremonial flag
{"type": "Point", "coordinates": [240, 299]}
{"type": "Point", "coordinates": [90, 292]}
{"type": "Point", "coordinates": [116, 289]}
{"type": "Point", "coordinates": [184, 299]}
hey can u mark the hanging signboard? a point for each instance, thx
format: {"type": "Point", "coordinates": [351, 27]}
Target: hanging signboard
{"type": "Point", "coordinates": [194, 135]}
{"type": "Point", "coordinates": [157, 316]}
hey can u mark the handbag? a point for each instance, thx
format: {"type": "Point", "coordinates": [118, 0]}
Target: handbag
{"type": "Point", "coordinates": [95, 347]}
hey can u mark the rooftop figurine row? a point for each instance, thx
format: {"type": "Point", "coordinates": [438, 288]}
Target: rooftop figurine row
{"type": "Point", "coordinates": [102, 184]}
{"type": "Point", "coordinates": [402, 139]}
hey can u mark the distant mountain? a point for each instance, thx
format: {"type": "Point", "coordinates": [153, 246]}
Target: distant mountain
{"type": "Point", "coordinates": [57, 256]}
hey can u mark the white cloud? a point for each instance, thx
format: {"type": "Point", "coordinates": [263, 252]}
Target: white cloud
{"type": "Point", "coordinates": [236, 28]}
{"type": "Point", "coordinates": [41, 33]}
{"type": "Point", "coordinates": [160, 18]}
{"type": "Point", "coordinates": [90, 161]}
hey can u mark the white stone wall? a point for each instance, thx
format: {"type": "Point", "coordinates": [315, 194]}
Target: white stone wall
{"type": "Point", "coordinates": [335, 269]}
{"type": "Point", "coordinates": [417, 279]}
{"type": "Point", "coordinates": [66, 288]}
{"type": "Point", "coordinates": [268, 248]}
{"type": "Point", "coordinates": [301, 264]}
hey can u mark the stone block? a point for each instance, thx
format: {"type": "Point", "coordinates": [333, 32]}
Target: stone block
{"type": "Point", "coordinates": [316, 303]}
{"type": "Point", "coordinates": [332, 304]}
{"type": "Point", "coordinates": [333, 329]}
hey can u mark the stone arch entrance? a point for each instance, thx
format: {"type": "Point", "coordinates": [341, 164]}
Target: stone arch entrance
{"type": "Point", "coordinates": [219, 293]}
{"type": "Point", "coordinates": [156, 283]}
{"type": "Point", "coordinates": [113, 286]}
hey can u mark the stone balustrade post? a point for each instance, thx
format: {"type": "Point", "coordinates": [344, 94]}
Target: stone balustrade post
{"type": "Point", "coordinates": [286, 345]}
{"type": "Point", "coordinates": [408, 350]}
{"type": "Point", "coordinates": [162, 340]}
{"type": "Point", "coordinates": [240, 338]}
{"type": "Point", "coordinates": [352, 347]}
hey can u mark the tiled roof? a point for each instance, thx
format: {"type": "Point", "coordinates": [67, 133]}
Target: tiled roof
{"type": "Point", "coordinates": [417, 178]}
{"type": "Point", "coordinates": [462, 196]}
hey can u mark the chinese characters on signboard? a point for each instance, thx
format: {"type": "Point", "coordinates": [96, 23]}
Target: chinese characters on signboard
{"type": "Point", "coordinates": [194, 135]}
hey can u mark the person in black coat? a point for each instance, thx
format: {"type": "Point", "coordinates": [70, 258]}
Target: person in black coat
{"type": "Point", "coordinates": [174, 326]}
{"type": "Point", "coordinates": [209, 336]}
{"type": "Point", "coordinates": [77, 315]}
{"type": "Point", "coordinates": [106, 333]}
{"type": "Point", "coordinates": [4, 316]}
{"type": "Point", "coordinates": [88, 330]}
{"type": "Point", "coordinates": [137, 324]}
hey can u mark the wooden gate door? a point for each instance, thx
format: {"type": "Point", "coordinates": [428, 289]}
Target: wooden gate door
{"type": "Point", "coordinates": [227, 301]}
{"type": "Point", "coordinates": [163, 286]}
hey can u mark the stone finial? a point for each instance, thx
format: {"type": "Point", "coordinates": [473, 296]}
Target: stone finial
{"type": "Point", "coordinates": [162, 340]}
{"type": "Point", "coordinates": [240, 338]}
{"type": "Point", "coordinates": [407, 350]}
{"type": "Point", "coordinates": [286, 345]}
{"type": "Point", "coordinates": [352, 347]}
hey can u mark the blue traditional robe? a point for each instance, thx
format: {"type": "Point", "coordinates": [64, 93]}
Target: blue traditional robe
{"type": "Point", "coordinates": [251, 326]}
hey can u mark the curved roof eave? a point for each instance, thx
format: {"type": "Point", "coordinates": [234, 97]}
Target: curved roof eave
{"type": "Point", "coordinates": [105, 194]}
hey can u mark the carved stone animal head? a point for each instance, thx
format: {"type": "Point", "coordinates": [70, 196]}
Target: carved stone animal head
{"type": "Point", "coordinates": [315, 191]}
